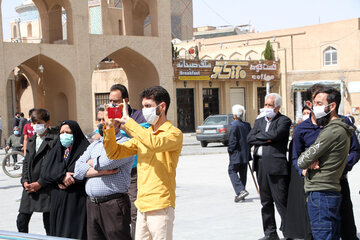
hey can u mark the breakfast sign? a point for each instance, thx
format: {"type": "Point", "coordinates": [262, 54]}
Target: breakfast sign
{"type": "Point", "coordinates": [186, 70]}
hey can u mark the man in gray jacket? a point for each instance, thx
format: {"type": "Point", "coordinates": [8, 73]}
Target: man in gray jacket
{"type": "Point", "coordinates": [325, 161]}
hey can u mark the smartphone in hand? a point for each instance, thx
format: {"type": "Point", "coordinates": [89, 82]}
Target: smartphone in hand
{"type": "Point", "coordinates": [114, 111]}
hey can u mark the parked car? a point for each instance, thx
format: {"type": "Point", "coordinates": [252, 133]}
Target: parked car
{"type": "Point", "coordinates": [216, 128]}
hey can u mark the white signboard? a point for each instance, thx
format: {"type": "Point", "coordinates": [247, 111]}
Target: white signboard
{"type": "Point", "coordinates": [354, 87]}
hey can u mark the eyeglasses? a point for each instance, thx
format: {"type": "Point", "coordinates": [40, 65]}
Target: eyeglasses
{"type": "Point", "coordinates": [101, 119]}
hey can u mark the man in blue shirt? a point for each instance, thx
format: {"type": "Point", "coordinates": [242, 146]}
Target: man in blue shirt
{"type": "Point", "coordinates": [108, 204]}
{"type": "Point", "coordinates": [305, 135]}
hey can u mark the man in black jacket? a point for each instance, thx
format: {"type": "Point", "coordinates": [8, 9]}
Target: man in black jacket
{"type": "Point", "coordinates": [239, 152]}
{"type": "Point", "coordinates": [270, 136]}
{"type": "Point", "coordinates": [36, 195]}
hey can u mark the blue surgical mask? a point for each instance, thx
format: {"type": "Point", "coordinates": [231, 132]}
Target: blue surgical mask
{"type": "Point", "coordinates": [16, 132]}
{"type": "Point", "coordinates": [66, 139]}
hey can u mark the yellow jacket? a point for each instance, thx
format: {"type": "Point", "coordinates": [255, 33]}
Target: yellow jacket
{"type": "Point", "coordinates": [158, 155]}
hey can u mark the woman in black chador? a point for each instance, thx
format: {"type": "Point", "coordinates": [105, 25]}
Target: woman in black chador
{"type": "Point", "coordinates": [68, 199]}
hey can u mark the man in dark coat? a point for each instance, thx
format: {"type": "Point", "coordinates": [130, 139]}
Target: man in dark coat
{"type": "Point", "coordinates": [36, 193]}
{"type": "Point", "coordinates": [16, 120]}
{"type": "Point", "coordinates": [239, 152]}
{"type": "Point", "coordinates": [270, 137]}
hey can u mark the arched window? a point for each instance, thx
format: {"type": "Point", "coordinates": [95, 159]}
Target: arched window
{"type": "Point", "coordinates": [235, 56]}
{"type": "Point", "coordinates": [220, 57]}
{"type": "Point", "coordinates": [330, 56]}
{"type": "Point", "coordinates": [252, 55]}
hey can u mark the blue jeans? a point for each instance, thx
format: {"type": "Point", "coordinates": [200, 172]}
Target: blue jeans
{"type": "Point", "coordinates": [324, 213]}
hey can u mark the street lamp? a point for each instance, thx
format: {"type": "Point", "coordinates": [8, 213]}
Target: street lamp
{"type": "Point", "coordinates": [267, 79]}
{"type": "Point", "coordinates": [41, 69]}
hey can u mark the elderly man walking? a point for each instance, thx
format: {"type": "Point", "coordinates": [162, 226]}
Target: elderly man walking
{"type": "Point", "coordinates": [270, 138]}
{"type": "Point", "coordinates": [239, 152]}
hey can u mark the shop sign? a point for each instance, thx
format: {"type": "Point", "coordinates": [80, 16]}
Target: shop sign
{"type": "Point", "coordinates": [225, 70]}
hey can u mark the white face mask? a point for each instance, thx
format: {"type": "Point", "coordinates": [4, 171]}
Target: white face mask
{"type": "Point", "coordinates": [269, 112]}
{"type": "Point", "coordinates": [304, 117]}
{"type": "Point", "coordinates": [261, 114]}
{"type": "Point", "coordinates": [319, 111]}
{"type": "Point", "coordinates": [39, 128]}
{"type": "Point", "coordinates": [150, 115]}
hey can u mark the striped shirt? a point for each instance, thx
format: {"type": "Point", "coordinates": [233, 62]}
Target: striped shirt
{"type": "Point", "coordinates": [107, 184]}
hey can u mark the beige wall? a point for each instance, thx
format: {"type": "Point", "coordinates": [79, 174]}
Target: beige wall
{"type": "Point", "coordinates": [300, 51]}
{"type": "Point", "coordinates": [66, 86]}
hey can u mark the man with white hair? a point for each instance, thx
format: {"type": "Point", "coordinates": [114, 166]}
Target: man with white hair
{"type": "Point", "coordinates": [270, 138]}
{"type": "Point", "coordinates": [239, 152]}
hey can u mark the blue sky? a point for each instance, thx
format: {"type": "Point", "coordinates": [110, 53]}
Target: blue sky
{"type": "Point", "coordinates": [267, 15]}
{"type": "Point", "coordinates": [8, 14]}
{"type": "Point", "coordinates": [263, 15]}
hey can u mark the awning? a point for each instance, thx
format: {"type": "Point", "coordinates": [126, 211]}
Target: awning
{"type": "Point", "coordinates": [303, 86]}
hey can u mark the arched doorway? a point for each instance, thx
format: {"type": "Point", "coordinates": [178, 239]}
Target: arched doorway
{"type": "Point", "coordinates": [124, 17]}
{"type": "Point", "coordinates": [48, 85]}
{"type": "Point", "coordinates": [127, 67]}
{"type": "Point", "coordinates": [38, 21]}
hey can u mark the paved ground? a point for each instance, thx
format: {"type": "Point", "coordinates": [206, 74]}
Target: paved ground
{"type": "Point", "coordinates": [205, 208]}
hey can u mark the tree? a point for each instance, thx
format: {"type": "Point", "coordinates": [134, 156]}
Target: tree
{"type": "Point", "coordinates": [175, 52]}
{"type": "Point", "coordinates": [268, 55]}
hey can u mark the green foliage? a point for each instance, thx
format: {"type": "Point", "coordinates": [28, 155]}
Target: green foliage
{"type": "Point", "coordinates": [268, 55]}
{"type": "Point", "coordinates": [175, 52]}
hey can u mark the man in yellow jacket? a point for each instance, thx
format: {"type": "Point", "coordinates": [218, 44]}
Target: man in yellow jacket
{"type": "Point", "coordinates": [158, 149]}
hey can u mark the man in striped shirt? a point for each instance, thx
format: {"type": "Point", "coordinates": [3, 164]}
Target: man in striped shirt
{"type": "Point", "coordinates": [108, 205]}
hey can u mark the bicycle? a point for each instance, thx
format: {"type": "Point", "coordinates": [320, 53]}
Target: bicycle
{"type": "Point", "coordinates": [12, 163]}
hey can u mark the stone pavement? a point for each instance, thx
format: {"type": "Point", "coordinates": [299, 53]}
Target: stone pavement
{"type": "Point", "coordinates": [205, 207]}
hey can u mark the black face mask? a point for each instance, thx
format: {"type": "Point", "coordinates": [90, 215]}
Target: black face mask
{"type": "Point", "coordinates": [322, 122]}
{"type": "Point", "coordinates": [100, 127]}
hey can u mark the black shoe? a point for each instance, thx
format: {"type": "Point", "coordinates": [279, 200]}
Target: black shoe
{"type": "Point", "coordinates": [272, 236]}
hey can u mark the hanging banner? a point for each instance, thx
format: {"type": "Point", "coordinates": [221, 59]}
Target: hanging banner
{"type": "Point", "coordinates": [225, 70]}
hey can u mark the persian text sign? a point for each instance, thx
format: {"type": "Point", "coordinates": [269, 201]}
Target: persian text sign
{"type": "Point", "coordinates": [226, 70]}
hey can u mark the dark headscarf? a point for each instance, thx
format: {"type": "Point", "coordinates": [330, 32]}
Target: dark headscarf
{"type": "Point", "coordinates": [55, 167]}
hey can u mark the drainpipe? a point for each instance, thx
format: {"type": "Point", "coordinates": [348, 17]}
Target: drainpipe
{"type": "Point", "coordinates": [13, 90]}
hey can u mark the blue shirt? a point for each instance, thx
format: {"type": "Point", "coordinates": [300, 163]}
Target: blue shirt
{"type": "Point", "coordinates": [305, 135]}
{"type": "Point", "coordinates": [107, 184]}
{"type": "Point", "coordinates": [145, 125]}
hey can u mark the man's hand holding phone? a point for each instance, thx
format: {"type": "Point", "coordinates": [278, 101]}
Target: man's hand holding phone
{"type": "Point", "coordinates": [113, 114]}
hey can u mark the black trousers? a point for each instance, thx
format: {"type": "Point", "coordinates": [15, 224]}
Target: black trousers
{"type": "Point", "coordinates": [15, 156]}
{"type": "Point", "coordinates": [109, 220]}
{"type": "Point", "coordinates": [348, 227]}
{"type": "Point", "coordinates": [273, 189]}
{"type": "Point", "coordinates": [23, 220]}
{"type": "Point", "coordinates": [132, 191]}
